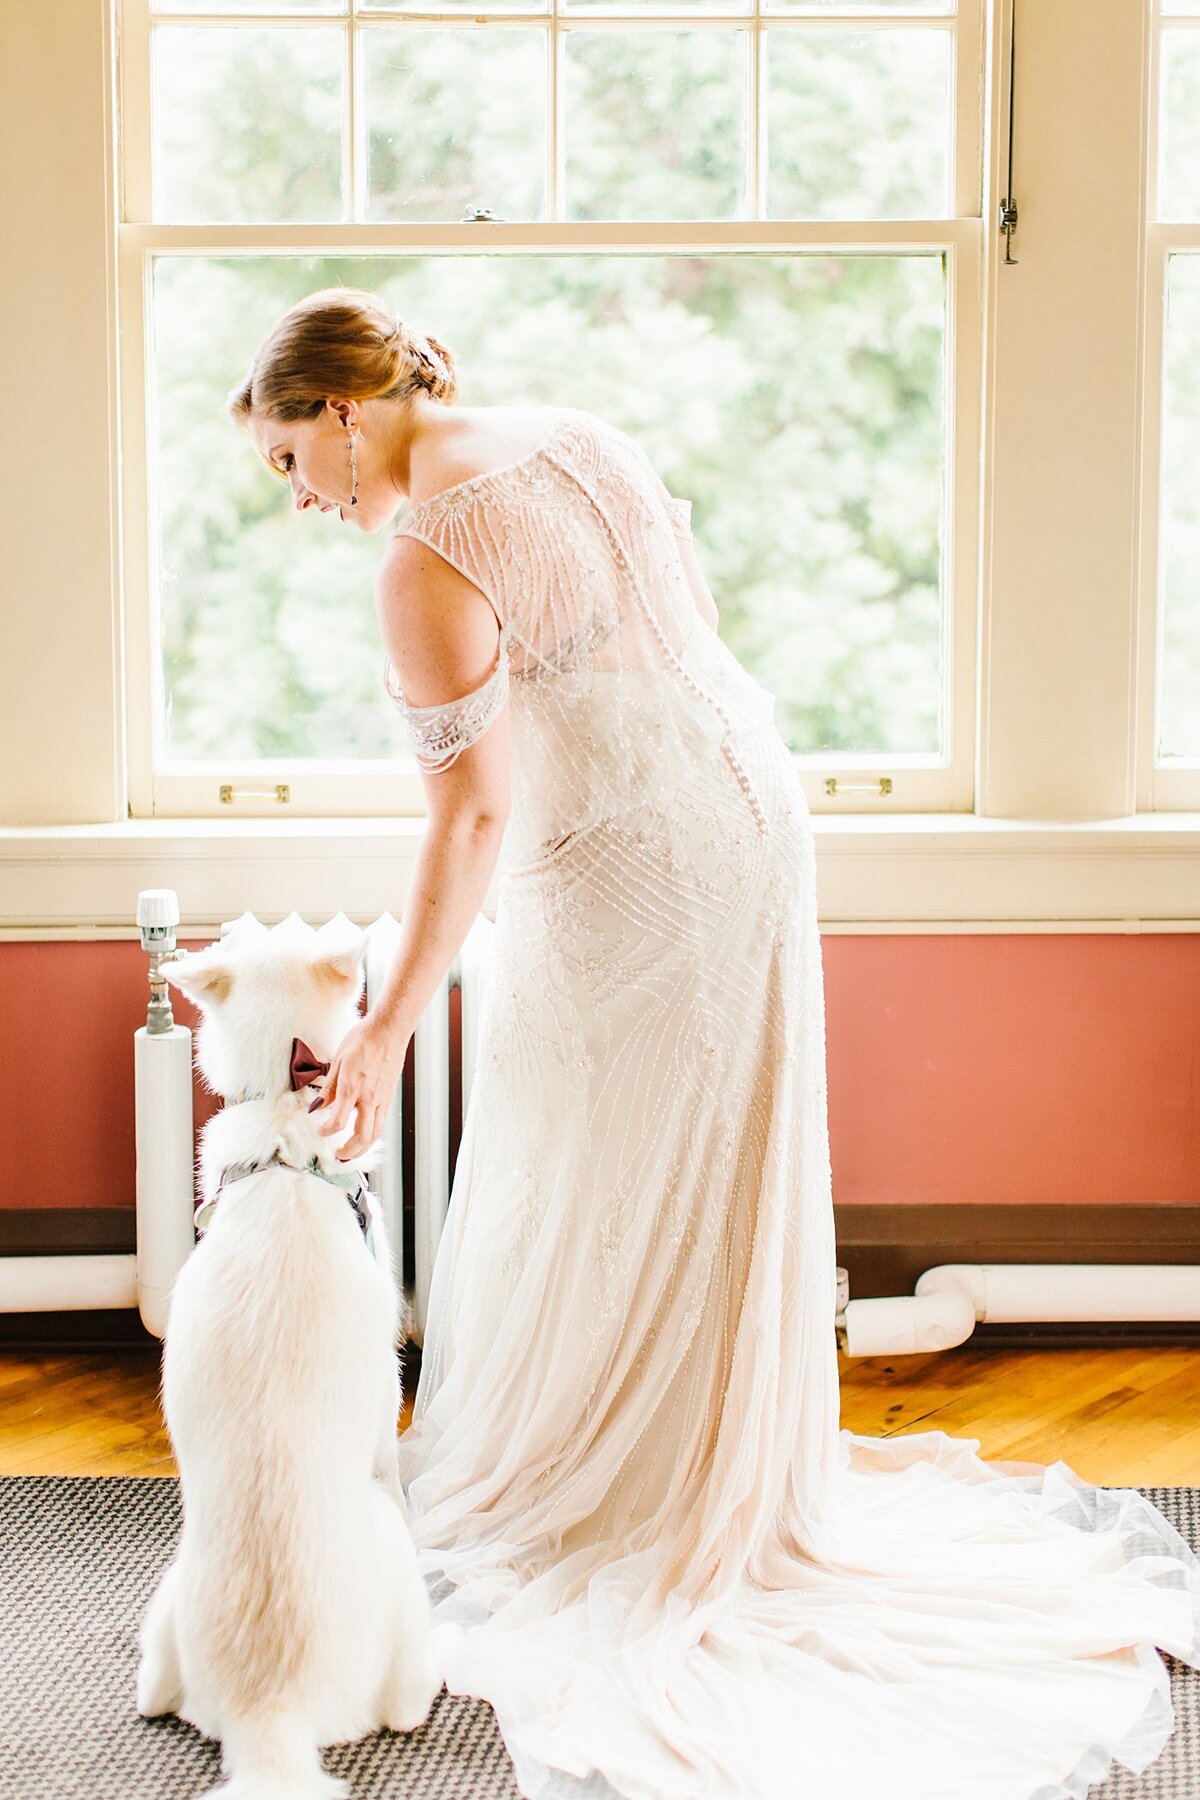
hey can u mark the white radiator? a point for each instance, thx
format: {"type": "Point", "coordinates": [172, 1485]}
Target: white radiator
{"type": "Point", "coordinates": [432, 1053]}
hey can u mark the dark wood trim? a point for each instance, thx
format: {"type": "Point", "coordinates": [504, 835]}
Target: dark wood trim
{"type": "Point", "coordinates": [67, 1231]}
{"type": "Point", "coordinates": [112, 1329]}
{"type": "Point", "coordinates": [883, 1248]}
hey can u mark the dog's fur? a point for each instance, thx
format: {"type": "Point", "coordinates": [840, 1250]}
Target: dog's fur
{"type": "Point", "coordinates": [294, 1614]}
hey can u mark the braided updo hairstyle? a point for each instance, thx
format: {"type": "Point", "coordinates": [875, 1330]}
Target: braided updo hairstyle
{"type": "Point", "coordinates": [345, 342]}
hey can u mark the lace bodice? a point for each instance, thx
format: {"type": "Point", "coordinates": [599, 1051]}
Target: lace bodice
{"type": "Point", "coordinates": [613, 679]}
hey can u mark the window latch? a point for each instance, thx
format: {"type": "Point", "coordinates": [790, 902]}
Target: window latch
{"type": "Point", "coordinates": [1008, 224]}
{"type": "Point", "coordinates": [1008, 206]}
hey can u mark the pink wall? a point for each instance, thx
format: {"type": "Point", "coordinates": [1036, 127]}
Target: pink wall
{"type": "Point", "coordinates": [961, 1068]}
{"type": "Point", "coordinates": [1020, 1068]}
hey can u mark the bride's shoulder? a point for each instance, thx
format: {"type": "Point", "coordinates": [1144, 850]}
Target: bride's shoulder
{"type": "Point", "coordinates": [471, 454]}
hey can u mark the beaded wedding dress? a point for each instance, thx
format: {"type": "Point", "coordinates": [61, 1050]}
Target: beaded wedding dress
{"type": "Point", "coordinates": [648, 1544]}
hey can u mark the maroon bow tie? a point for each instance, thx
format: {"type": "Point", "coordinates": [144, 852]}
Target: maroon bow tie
{"type": "Point", "coordinates": [304, 1067]}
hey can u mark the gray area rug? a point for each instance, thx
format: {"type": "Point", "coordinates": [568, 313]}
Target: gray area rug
{"type": "Point", "coordinates": [79, 1559]}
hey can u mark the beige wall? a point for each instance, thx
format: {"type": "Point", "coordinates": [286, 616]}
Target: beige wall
{"type": "Point", "coordinates": [61, 705]}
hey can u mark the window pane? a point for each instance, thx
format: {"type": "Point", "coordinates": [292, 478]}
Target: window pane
{"type": "Point", "coordinates": [269, 644]}
{"type": "Point", "coordinates": [656, 123]}
{"type": "Point", "coordinates": [1178, 731]}
{"type": "Point", "coordinates": [247, 124]}
{"type": "Point", "coordinates": [420, 85]}
{"type": "Point", "coordinates": [1179, 184]}
{"type": "Point", "coordinates": [796, 400]}
{"type": "Point", "coordinates": [858, 123]}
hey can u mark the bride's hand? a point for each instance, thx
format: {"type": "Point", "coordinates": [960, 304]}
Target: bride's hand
{"type": "Point", "coordinates": [363, 1073]}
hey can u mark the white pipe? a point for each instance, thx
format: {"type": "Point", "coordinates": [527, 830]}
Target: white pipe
{"type": "Point", "coordinates": [67, 1283]}
{"type": "Point", "coordinates": [165, 1132]}
{"type": "Point", "coordinates": [950, 1300]}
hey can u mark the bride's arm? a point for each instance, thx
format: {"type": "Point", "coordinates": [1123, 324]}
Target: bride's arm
{"type": "Point", "coordinates": [443, 638]}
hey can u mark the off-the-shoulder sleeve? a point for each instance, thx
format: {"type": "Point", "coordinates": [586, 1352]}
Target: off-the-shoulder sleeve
{"type": "Point", "coordinates": [440, 733]}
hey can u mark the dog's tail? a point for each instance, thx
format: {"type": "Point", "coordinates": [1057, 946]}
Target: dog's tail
{"type": "Point", "coordinates": [272, 1756]}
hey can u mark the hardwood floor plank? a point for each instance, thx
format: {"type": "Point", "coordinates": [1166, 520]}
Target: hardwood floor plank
{"type": "Point", "coordinates": [1123, 1417]}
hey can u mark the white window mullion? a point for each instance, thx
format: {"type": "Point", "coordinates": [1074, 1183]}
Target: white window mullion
{"type": "Point", "coordinates": [963, 507]}
{"type": "Point", "coordinates": [354, 160]}
{"type": "Point", "coordinates": [555, 114]}
{"type": "Point", "coordinates": [756, 187]}
{"type": "Point", "coordinates": [143, 690]}
{"type": "Point", "coordinates": [968, 111]}
{"type": "Point", "coordinates": [1175, 786]}
{"type": "Point", "coordinates": [134, 134]}
{"type": "Point", "coordinates": [1148, 660]}
{"type": "Point", "coordinates": [427, 237]}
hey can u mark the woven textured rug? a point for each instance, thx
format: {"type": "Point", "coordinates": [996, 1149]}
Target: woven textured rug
{"type": "Point", "coordinates": [79, 1559]}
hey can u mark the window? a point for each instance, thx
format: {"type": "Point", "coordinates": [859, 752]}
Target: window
{"type": "Point", "coordinates": [1172, 566]}
{"type": "Point", "coordinates": [750, 234]}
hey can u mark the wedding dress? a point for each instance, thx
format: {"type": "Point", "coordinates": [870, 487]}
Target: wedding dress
{"type": "Point", "coordinates": [648, 1544]}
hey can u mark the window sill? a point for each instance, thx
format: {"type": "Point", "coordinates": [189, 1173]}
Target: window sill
{"type": "Point", "coordinates": [910, 872]}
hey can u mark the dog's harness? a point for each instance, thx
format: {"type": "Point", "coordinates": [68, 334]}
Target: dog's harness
{"type": "Point", "coordinates": [352, 1183]}
{"type": "Point", "coordinates": [303, 1069]}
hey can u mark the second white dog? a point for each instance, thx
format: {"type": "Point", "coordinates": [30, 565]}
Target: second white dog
{"type": "Point", "coordinates": [294, 1614]}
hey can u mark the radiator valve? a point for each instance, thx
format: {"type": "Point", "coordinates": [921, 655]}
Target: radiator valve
{"type": "Point", "coordinates": [157, 917]}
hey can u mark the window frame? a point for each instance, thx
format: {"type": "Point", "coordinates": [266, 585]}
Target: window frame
{"type": "Point", "coordinates": [1173, 787]}
{"type": "Point", "coordinates": [918, 783]}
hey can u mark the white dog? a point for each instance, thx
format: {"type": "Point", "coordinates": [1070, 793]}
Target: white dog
{"type": "Point", "coordinates": [294, 1614]}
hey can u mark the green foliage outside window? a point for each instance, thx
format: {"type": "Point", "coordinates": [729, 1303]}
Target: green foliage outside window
{"type": "Point", "coordinates": [796, 400]}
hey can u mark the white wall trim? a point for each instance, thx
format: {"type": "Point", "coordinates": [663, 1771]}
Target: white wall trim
{"type": "Point", "coordinates": [957, 872]}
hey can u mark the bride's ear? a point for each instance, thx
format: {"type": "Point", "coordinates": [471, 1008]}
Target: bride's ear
{"type": "Point", "coordinates": [341, 413]}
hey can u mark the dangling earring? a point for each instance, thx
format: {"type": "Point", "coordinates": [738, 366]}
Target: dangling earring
{"type": "Point", "coordinates": [353, 470]}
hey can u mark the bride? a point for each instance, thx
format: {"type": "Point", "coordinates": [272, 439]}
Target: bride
{"type": "Point", "coordinates": [649, 1544]}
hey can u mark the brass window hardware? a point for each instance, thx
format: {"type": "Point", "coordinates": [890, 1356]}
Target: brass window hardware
{"type": "Point", "coordinates": [834, 786]}
{"type": "Point", "coordinates": [280, 792]}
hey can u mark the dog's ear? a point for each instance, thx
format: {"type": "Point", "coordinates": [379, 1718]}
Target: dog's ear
{"type": "Point", "coordinates": [337, 958]}
{"type": "Point", "coordinates": [339, 968]}
{"type": "Point", "coordinates": [205, 978]}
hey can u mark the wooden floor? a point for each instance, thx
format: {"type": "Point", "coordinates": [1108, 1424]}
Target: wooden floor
{"type": "Point", "coordinates": [1121, 1418]}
